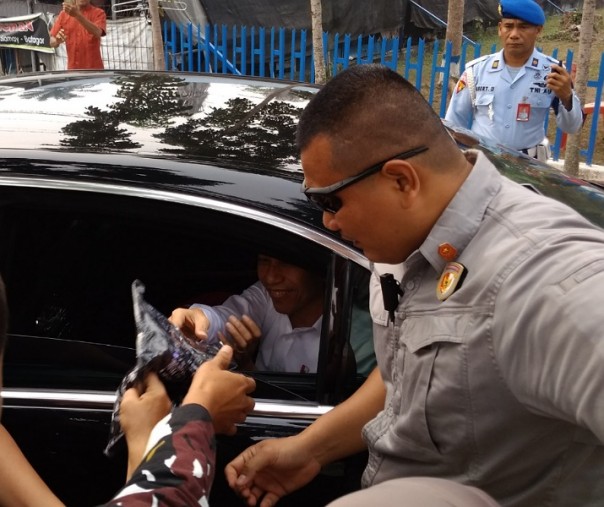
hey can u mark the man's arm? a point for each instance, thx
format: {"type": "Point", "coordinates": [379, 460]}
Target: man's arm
{"type": "Point", "coordinates": [179, 465]}
{"type": "Point", "coordinates": [569, 117]}
{"type": "Point", "coordinates": [337, 434]}
{"type": "Point", "coordinates": [57, 33]}
{"type": "Point", "coordinates": [20, 485]}
{"type": "Point", "coordinates": [95, 29]}
{"type": "Point", "coordinates": [271, 469]}
{"type": "Point", "coordinates": [179, 468]}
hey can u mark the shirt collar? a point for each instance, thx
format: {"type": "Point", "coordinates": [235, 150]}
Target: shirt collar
{"type": "Point", "coordinates": [536, 61]}
{"type": "Point", "coordinates": [460, 221]}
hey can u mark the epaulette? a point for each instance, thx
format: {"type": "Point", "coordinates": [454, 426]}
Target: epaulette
{"type": "Point", "coordinates": [471, 63]}
{"type": "Point", "coordinates": [551, 59]}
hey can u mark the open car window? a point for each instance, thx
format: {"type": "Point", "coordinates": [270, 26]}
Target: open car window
{"type": "Point", "coordinates": [69, 259]}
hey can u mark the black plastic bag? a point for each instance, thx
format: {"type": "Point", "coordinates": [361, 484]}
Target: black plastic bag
{"type": "Point", "coordinates": [162, 348]}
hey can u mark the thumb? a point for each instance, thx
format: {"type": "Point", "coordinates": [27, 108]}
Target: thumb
{"type": "Point", "coordinates": [223, 357]}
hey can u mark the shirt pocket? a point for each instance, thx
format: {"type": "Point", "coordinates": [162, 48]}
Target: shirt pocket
{"type": "Point", "coordinates": [539, 101]}
{"type": "Point", "coordinates": [484, 104]}
{"type": "Point", "coordinates": [431, 402]}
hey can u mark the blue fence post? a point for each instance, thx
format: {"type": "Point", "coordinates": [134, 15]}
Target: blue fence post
{"type": "Point", "coordinates": [168, 45]}
{"type": "Point", "coordinates": [368, 49]}
{"type": "Point", "coordinates": [207, 48]}
{"type": "Point", "coordinates": [593, 132]}
{"type": "Point", "coordinates": [240, 50]}
{"type": "Point", "coordinates": [298, 56]}
{"type": "Point", "coordinates": [190, 48]}
{"type": "Point", "coordinates": [555, 149]}
{"type": "Point", "coordinates": [389, 45]}
{"type": "Point", "coordinates": [464, 54]}
{"type": "Point", "coordinates": [200, 51]}
{"type": "Point", "coordinates": [344, 59]}
{"type": "Point", "coordinates": [277, 52]}
{"type": "Point", "coordinates": [434, 67]}
{"type": "Point", "coordinates": [258, 50]}
{"type": "Point", "coordinates": [418, 66]}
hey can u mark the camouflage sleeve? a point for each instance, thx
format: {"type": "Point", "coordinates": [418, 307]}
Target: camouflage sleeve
{"type": "Point", "coordinates": [179, 469]}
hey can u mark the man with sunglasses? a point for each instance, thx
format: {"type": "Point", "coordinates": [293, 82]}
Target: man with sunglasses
{"type": "Point", "coordinates": [487, 322]}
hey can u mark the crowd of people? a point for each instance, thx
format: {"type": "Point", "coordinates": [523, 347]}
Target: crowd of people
{"type": "Point", "coordinates": [488, 388]}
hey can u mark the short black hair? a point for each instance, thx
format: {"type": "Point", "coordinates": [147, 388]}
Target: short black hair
{"type": "Point", "coordinates": [371, 107]}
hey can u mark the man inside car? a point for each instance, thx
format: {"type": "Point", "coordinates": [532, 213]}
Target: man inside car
{"type": "Point", "coordinates": [273, 325]}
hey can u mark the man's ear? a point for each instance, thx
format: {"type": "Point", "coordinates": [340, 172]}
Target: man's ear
{"type": "Point", "coordinates": [406, 178]}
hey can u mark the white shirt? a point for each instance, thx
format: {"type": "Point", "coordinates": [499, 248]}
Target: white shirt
{"type": "Point", "coordinates": [281, 348]}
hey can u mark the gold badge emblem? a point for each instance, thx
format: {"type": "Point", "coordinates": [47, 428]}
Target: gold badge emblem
{"type": "Point", "coordinates": [450, 280]}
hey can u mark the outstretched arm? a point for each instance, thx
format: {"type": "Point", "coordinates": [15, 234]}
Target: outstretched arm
{"type": "Point", "coordinates": [267, 471]}
{"type": "Point", "coordinates": [179, 465]}
{"type": "Point", "coordinates": [92, 28]}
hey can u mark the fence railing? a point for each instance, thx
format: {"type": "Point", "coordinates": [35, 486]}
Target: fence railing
{"type": "Point", "coordinates": [283, 53]}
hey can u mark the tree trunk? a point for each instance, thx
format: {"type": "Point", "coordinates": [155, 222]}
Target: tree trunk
{"type": "Point", "coordinates": [316, 15]}
{"type": "Point", "coordinates": [571, 157]}
{"type": "Point", "coordinates": [454, 34]}
{"type": "Point", "coordinates": [158, 43]}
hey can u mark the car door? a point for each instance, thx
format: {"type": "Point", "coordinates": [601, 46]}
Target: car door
{"type": "Point", "coordinates": [68, 260]}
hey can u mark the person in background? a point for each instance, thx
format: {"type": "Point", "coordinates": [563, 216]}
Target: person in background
{"type": "Point", "coordinates": [80, 26]}
{"type": "Point", "coordinates": [486, 307]}
{"type": "Point", "coordinates": [171, 454]}
{"type": "Point", "coordinates": [505, 97]}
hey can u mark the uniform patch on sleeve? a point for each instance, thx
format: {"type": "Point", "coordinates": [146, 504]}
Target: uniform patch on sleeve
{"type": "Point", "coordinates": [461, 84]}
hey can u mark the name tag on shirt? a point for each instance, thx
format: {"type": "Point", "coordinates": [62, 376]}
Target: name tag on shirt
{"type": "Point", "coordinates": [524, 112]}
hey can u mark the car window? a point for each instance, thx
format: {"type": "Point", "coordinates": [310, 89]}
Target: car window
{"type": "Point", "coordinates": [69, 260]}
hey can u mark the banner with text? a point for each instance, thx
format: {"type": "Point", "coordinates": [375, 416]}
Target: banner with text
{"type": "Point", "coordinates": [25, 32]}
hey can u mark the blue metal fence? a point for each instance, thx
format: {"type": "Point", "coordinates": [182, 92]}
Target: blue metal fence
{"type": "Point", "coordinates": [287, 54]}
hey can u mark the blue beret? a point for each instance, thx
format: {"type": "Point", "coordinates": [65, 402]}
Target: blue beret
{"type": "Point", "coordinates": [525, 10]}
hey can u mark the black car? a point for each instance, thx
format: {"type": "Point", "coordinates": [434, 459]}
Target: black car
{"type": "Point", "coordinates": [177, 180]}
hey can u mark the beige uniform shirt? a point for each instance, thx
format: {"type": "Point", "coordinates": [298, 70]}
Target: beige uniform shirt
{"type": "Point", "coordinates": [501, 385]}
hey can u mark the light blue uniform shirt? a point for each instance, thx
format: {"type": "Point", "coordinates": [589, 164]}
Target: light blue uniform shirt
{"type": "Point", "coordinates": [498, 94]}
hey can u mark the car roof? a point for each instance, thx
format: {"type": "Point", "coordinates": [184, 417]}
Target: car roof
{"type": "Point", "coordinates": [224, 142]}
{"type": "Point", "coordinates": [209, 135]}
{"type": "Point", "coordinates": [223, 120]}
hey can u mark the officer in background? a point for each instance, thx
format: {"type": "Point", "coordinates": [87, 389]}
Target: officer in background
{"type": "Point", "coordinates": [505, 97]}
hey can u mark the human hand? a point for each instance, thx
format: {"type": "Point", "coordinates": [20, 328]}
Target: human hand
{"type": "Point", "coordinates": [142, 407]}
{"type": "Point", "coordinates": [243, 335]}
{"type": "Point", "coordinates": [269, 470]}
{"type": "Point", "coordinates": [223, 393]}
{"type": "Point", "coordinates": [191, 321]}
{"type": "Point", "coordinates": [560, 82]}
{"type": "Point", "coordinates": [71, 8]}
{"type": "Point", "coordinates": [61, 37]}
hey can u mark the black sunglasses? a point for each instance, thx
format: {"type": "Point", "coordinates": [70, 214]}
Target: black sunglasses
{"type": "Point", "coordinates": [325, 198]}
